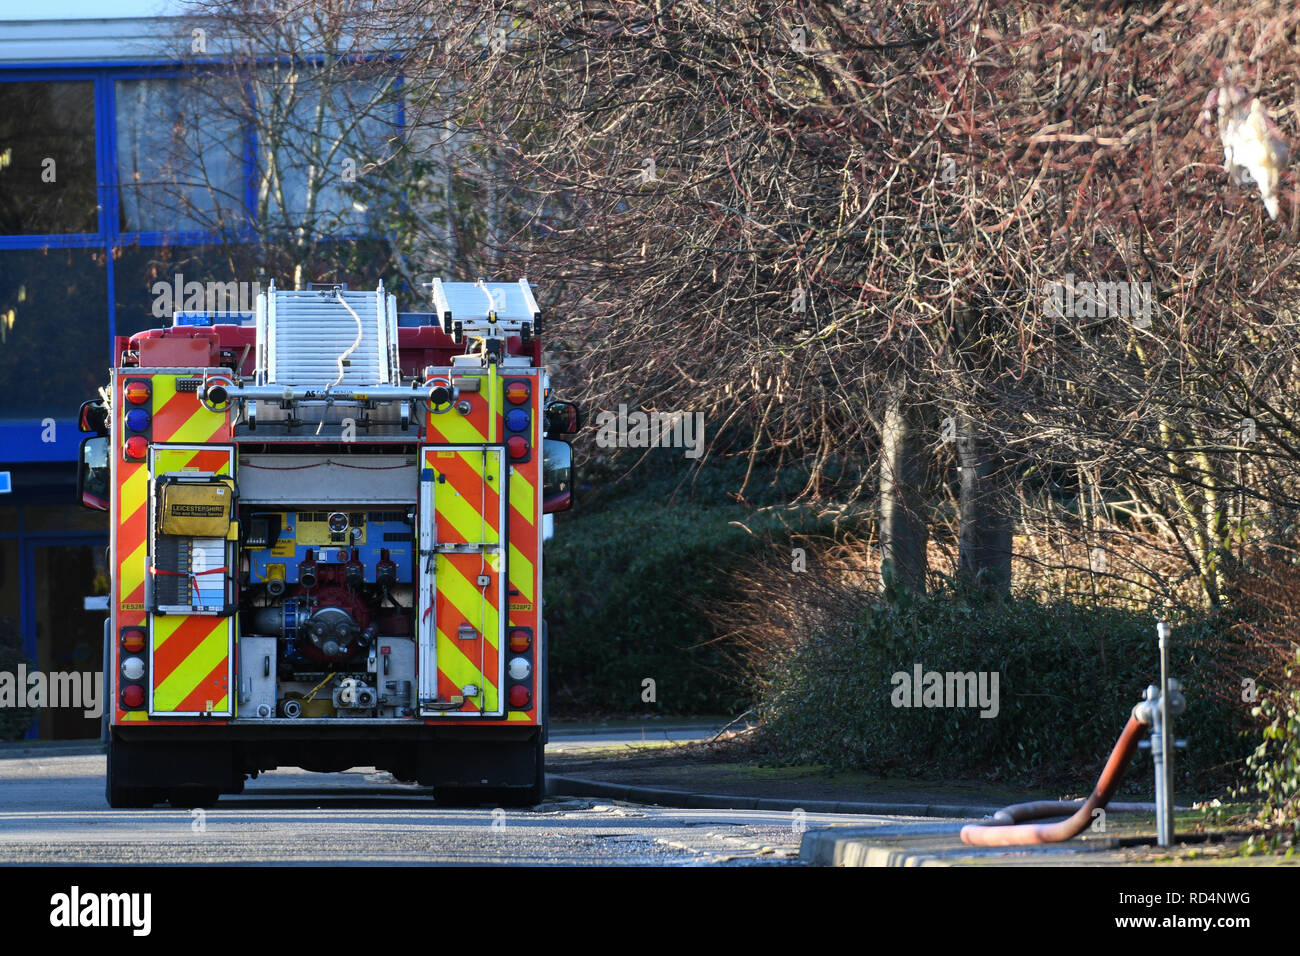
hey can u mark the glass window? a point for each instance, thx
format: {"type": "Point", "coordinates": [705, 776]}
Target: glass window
{"type": "Point", "coordinates": [68, 637]}
{"type": "Point", "coordinates": [64, 517]}
{"type": "Point", "coordinates": [315, 145]}
{"type": "Point", "coordinates": [180, 155]}
{"type": "Point", "coordinates": [10, 599]}
{"type": "Point", "coordinates": [54, 348]}
{"type": "Point", "coordinates": [47, 159]}
{"type": "Point", "coordinates": [152, 282]}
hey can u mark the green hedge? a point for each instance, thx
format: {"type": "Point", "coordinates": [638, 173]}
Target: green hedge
{"type": "Point", "coordinates": [630, 568]}
{"type": "Point", "coordinates": [623, 587]}
{"type": "Point", "coordinates": [1068, 678]}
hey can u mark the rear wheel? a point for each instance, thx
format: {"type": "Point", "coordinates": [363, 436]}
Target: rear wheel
{"type": "Point", "coordinates": [465, 796]}
{"type": "Point", "coordinates": [187, 798]}
{"type": "Point", "coordinates": [521, 796]}
{"type": "Point", "coordinates": [119, 794]}
{"type": "Point", "coordinates": [532, 795]}
{"type": "Point", "coordinates": [538, 792]}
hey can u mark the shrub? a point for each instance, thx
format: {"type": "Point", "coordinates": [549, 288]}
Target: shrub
{"type": "Point", "coordinates": [625, 587]}
{"type": "Point", "coordinates": [633, 573]}
{"type": "Point", "coordinates": [1068, 677]}
{"type": "Point", "coordinates": [1274, 767]}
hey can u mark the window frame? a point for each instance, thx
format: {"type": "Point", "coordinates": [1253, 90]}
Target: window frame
{"type": "Point", "coordinates": [21, 437]}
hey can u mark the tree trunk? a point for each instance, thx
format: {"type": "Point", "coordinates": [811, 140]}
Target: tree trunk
{"type": "Point", "coordinates": [904, 530]}
{"type": "Point", "coordinates": [984, 549]}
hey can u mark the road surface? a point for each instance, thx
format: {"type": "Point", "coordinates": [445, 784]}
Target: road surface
{"type": "Point", "coordinates": [52, 810]}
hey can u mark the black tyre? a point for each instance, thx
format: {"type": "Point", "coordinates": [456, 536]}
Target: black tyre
{"type": "Point", "coordinates": [119, 795]}
{"type": "Point", "coordinates": [465, 796]}
{"type": "Point", "coordinates": [188, 798]}
{"type": "Point", "coordinates": [527, 796]}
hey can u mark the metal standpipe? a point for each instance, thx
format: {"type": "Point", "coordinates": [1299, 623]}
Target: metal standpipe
{"type": "Point", "coordinates": [1157, 711]}
{"type": "Point", "coordinates": [1165, 805]}
{"type": "Point", "coordinates": [1154, 716]}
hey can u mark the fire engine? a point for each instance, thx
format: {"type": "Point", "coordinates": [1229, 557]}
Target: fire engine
{"type": "Point", "coordinates": [326, 543]}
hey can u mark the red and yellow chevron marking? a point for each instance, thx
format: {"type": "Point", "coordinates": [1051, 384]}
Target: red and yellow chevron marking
{"type": "Point", "coordinates": [132, 532]}
{"type": "Point", "coordinates": [131, 510]}
{"type": "Point", "coordinates": [466, 499]}
{"type": "Point", "coordinates": [459, 522]}
{"type": "Point", "coordinates": [523, 594]}
{"type": "Point", "coordinates": [460, 600]}
{"type": "Point", "coordinates": [523, 535]}
{"type": "Point", "coordinates": [467, 510]}
{"type": "Point", "coordinates": [189, 670]}
{"type": "Point", "coordinates": [215, 460]}
{"type": "Point", "coordinates": [178, 417]}
{"type": "Point", "coordinates": [523, 589]}
{"type": "Point", "coordinates": [453, 428]}
{"type": "Point", "coordinates": [191, 664]}
{"type": "Point", "coordinates": [191, 653]}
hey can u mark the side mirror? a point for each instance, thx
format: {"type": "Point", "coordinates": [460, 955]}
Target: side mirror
{"type": "Point", "coordinates": [557, 476]}
{"type": "Point", "coordinates": [562, 418]}
{"type": "Point", "coordinates": [93, 418]}
{"type": "Point", "coordinates": [92, 474]}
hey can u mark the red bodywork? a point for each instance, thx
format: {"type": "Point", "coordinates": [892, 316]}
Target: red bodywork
{"type": "Point", "coordinates": [232, 347]}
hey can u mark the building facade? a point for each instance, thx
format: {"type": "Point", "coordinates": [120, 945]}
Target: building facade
{"type": "Point", "coordinates": [103, 224]}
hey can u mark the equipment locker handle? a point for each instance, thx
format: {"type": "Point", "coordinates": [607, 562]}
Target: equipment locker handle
{"type": "Point", "coordinates": [266, 666]}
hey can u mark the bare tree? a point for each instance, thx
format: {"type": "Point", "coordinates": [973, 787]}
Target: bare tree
{"type": "Point", "coordinates": [811, 220]}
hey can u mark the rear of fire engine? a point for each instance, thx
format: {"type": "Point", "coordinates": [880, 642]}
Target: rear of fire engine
{"type": "Point", "coordinates": [326, 543]}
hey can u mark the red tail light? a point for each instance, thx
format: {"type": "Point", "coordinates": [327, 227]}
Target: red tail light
{"type": "Point", "coordinates": [521, 698]}
{"type": "Point", "coordinates": [137, 447]}
{"type": "Point", "coordinates": [132, 695]}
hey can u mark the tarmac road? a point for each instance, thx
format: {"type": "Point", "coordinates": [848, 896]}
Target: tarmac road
{"type": "Point", "coordinates": [52, 811]}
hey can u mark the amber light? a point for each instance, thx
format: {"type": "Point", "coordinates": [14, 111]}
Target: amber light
{"type": "Point", "coordinates": [520, 640]}
{"type": "Point", "coordinates": [137, 393]}
{"type": "Point", "coordinates": [133, 641]}
{"type": "Point", "coordinates": [517, 393]}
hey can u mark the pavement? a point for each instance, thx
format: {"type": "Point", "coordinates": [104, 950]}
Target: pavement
{"type": "Point", "coordinates": [923, 819]}
{"type": "Point", "coordinates": [1127, 840]}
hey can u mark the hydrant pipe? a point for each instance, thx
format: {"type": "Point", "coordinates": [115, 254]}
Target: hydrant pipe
{"type": "Point", "coordinates": [1006, 828]}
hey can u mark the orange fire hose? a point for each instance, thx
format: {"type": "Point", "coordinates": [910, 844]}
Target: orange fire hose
{"type": "Point", "coordinates": [1007, 827]}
